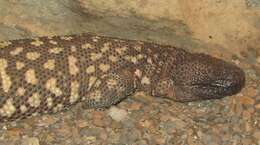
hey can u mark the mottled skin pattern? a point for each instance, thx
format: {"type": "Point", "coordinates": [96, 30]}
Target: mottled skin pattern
{"type": "Point", "coordinates": [50, 74]}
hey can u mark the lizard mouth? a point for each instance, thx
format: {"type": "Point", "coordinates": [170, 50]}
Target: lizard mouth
{"type": "Point", "coordinates": [218, 88]}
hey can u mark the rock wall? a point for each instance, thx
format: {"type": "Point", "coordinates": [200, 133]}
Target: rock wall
{"type": "Point", "coordinates": [231, 23]}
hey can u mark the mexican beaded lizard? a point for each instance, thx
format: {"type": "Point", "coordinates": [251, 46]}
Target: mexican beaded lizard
{"type": "Point", "coordinates": [50, 74]}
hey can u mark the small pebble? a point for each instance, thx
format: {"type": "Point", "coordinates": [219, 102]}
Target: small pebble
{"type": "Point", "coordinates": [49, 138]}
{"type": "Point", "coordinates": [180, 124]}
{"type": "Point", "coordinates": [257, 134]}
{"type": "Point", "coordinates": [247, 141]}
{"type": "Point", "coordinates": [246, 100]}
{"type": "Point", "coordinates": [117, 114]}
{"type": "Point", "coordinates": [64, 130]}
{"type": "Point", "coordinates": [258, 59]}
{"type": "Point", "coordinates": [89, 139]}
{"type": "Point", "coordinates": [248, 127]}
{"type": "Point", "coordinates": [159, 139]}
{"type": "Point", "coordinates": [211, 139]}
{"type": "Point", "coordinates": [135, 106]}
{"type": "Point", "coordinates": [14, 132]}
{"type": "Point", "coordinates": [92, 131]}
{"type": "Point", "coordinates": [257, 106]}
{"type": "Point", "coordinates": [142, 97]}
{"type": "Point", "coordinates": [246, 115]}
{"type": "Point", "coordinates": [257, 98]}
{"type": "Point", "coordinates": [251, 92]}
{"type": "Point", "coordinates": [98, 118]}
{"type": "Point", "coordinates": [46, 120]}
{"type": "Point", "coordinates": [82, 123]}
{"type": "Point", "coordinates": [30, 141]}
{"type": "Point", "coordinates": [148, 124]}
{"type": "Point", "coordinates": [191, 138]}
{"type": "Point", "coordinates": [129, 136]}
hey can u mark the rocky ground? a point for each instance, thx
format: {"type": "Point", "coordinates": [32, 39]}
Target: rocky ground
{"type": "Point", "coordinates": [142, 119]}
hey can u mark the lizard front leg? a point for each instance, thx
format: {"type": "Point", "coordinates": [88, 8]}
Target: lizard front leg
{"type": "Point", "coordinates": [110, 89]}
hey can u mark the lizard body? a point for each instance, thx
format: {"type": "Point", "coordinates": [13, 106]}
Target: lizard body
{"type": "Point", "coordinates": [50, 74]}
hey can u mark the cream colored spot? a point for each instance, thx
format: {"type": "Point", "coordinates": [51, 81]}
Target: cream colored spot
{"type": "Point", "coordinates": [60, 73]}
{"type": "Point", "coordinates": [37, 42]}
{"type": "Point", "coordinates": [149, 60]}
{"type": "Point", "coordinates": [90, 69]}
{"type": "Point", "coordinates": [87, 46]}
{"type": "Point", "coordinates": [56, 50]}
{"type": "Point", "coordinates": [145, 80]}
{"type": "Point", "coordinates": [50, 64]}
{"type": "Point", "coordinates": [53, 42]}
{"type": "Point", "coordinates": [73, 69]}
{"type": "Point", "coordinates": [97, 84]}
{"type": "Point", "coordinates": [96, 95]}
{"type": "Point", "coordinates": [138, 73]}
{"type": "Point", "coordinates": [35, 114]}
{"type": "Point", "coordinates": [83, 98]}
{"type": "Point", "coordinates": [127, 57]}
{"type": "Point", "coordinates": [105, 47]}
{"type": "Point", "coordinates": [104, 67]}
{"type": "Point", "coordinates": [95, 56]}
{"type": "Point", "coordinates": [8, 108]}
{"type": "Point", "coordinates": [121, 50]}
{"type": "Point", "coordinates": [6, 80]}
{"type": "Point", "coordinates": [140, 56]}
{"type": "Point", "coordinates": [19, 65]}
{"type": "Point", "coordinates": [33, 55]}
{"type": "Point", "coordinates": [111, 83]}
{"type": "Point", "coordinates": [34, 100]}
{"type": "Point", "coordinates": [133, 59]}
{"type": "Point", "coordinates": [112, 58]}
{"type": "Point", "coordinates": [4, 44]}
{"type": "Point", "coordinates": [95, 38]}
{"type": "Point", "coordinates": [91, 82]}
{"type": "Point", "coordinates": [20, 91]}
{"type": "Point", "coordinates": [156, 55]}
{"type": "Point", "coordinates": [66, 38]}
{"type": "Point", "coordinates": [30, 77]}
{"type": "Point", "coordinates": [51, 85]}
{"type": "Point", "coordinates": [17, 51]}
{"type": "Point", "coordinates": [58, 107]}
{"type": "Point", "coordinates": [74, 96]}
{"type": "Point", "coordinates": [23, 108]}
{"type": "Point", "coordinates": [138, 48]}
{"type": "Point", "coordinates": [49, 102]}
{"type": "Point", "coordinates": [73, 48]}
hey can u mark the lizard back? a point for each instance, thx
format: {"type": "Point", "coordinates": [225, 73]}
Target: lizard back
{"type": "Point", "coordinates": [48, 74]}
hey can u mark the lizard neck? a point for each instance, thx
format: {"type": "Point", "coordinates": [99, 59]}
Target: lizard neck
{"type": "Point", "coordinates": [158, 70]}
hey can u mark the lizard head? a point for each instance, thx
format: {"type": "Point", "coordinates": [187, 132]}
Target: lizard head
{"type": "Point", "coordinates": [200, 77]}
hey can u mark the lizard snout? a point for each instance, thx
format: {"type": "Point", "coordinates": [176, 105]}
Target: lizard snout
{"type": "Point", "coordinates": [233, 82]}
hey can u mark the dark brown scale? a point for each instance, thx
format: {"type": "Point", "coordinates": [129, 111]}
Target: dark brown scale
{"type": "Point", "coordinates": [173, 73]}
